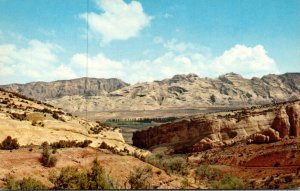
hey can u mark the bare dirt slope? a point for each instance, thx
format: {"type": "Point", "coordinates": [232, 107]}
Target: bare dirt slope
{"type": "Point", "coordinates": [271, 165]}
{"type": "Point", "coordinates": [34, 122]}
{"type": "Point", "coordinates": [24, 163]}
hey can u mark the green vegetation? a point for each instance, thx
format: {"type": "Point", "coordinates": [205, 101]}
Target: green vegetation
{"type": "Point", "coordinates": [24, 184]}
{"type": "Point", "coordinates": [216, 179]}
{"type": "Point", "coordinates": [175, 165]}
{"type": "Point", "coordinates": [204, 171]}
{"type": "Point", "coordinates": [55, 115]}
{"type": "Point", "coordinates": [96, 130]}
{"type": "Point", "coordinates": [213, 98]}
{"type": "Point", "coordinates": [104, 145]}
{"type": "Point", "coordinates": [18, 116]}
{"type": "Point", "coordinates": [47, 159]}
{"type": "Point", "coordinates": [92, 179]}
{"type": "Point", "coordinates": [114, 149]}
{"type": "Point", "coordinates": [138, 123]}
{"type": "Point", "coordinates": [69, 144]}
{"type": "Point", "coordinates": [9, 143]}
{"type": "Point", "coordinates": [228, 182]}
{"type": "Point", "coordinates": [140, 177]}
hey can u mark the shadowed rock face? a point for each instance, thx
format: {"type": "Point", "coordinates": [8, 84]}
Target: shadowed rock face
{"type": "Point", "coordinates": [57, 89]}
{"type": "Point", "coordinates": [257, 124]}
{"type": "Point", "coordinates": [181, 91]}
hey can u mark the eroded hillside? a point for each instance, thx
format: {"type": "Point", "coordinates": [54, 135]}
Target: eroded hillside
{"type": "Point", "coordinates": [261, 124]}
{"type": "Point", "coordinates": [181, 91]}
{"type": "Point", "coordinates": [34, 122]}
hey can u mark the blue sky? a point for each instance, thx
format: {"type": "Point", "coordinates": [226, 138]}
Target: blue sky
{"type": "Point", "coordinates": [137, 41]}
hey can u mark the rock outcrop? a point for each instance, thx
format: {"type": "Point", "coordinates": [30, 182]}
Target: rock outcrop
{"type": "Point", "coordinates": [181, 91]}
{"type": "Point", "coordinates": [260, 124]}
{"type": "Point", "coordinates": [267, 136]}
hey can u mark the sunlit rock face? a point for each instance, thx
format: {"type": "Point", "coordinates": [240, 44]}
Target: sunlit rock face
{"type": "Point", "coordinates": [180, 91]}
{"type": "Point", "coordinates": [262, 124]}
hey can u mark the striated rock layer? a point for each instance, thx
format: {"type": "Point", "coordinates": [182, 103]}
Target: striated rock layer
{"type": "Point", "coordinates": [260, 124]}
{"type": "Point", "coordinates": [60, 88]}
{"type": "Point", "coordinates": [180, 91]}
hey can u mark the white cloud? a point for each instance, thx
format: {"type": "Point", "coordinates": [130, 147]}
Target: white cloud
{"type": "Point", "coordinates": [248, 61]}
{"type": "Point", "coordinates": [98, 66]}
{"type": "Point", "coordinates": [39, 61]}
{"type": "Point", "coordinates": [36, 61]}
{"type": "Point", "coordinates": [119, 21]}
{"type": "Point", "coordinates": [174, 45]}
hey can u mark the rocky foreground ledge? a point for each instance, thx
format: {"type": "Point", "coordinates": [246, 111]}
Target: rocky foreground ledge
{"type": "Point", "coordinates": [260, 124]}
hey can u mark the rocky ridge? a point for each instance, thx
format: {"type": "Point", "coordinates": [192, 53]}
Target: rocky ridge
{"type": "Point", "coordinates": [180, 91]}
{"type": "Point", "coordinates": [61, 88]}
{"type": "Point", "coordinates": [191, 91]}
{"type": "Point", "coordinates": [261, 124]}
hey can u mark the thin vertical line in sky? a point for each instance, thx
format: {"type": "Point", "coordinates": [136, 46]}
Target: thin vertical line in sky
{"type": "Point", "coordinates": [87, 54]}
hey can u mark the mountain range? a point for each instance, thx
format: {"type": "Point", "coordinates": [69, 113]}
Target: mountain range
{"type": "Point", "coordinates": [180, 91]}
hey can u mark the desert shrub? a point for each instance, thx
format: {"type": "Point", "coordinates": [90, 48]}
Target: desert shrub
{"type": "Point", "coordinates": [46, 110]}
{"type": "Point", "coordinates": [114, 149]}
{"type": "Point", "coordinates": [96, 130]}
{"type": "Point", "coordinates": [185, 183]}
{"type": "Point", "coordinates": [228, 182]}
{"type": "Point", "coordinates": [213, 98]}
{"type": "Point", "coordinates": [55, 115]}
{"type": "Point", "coordinates": [18, 116]}
{"type": "Point", "coordinates": [47, 159]}
{"type": "Point", "coordinates": [24, 184]}
{"type": "Point", "coordinates": [176, 165]}
{"type": "Point", "coordinates": [34, 123]}
{"type": "Point", "coordinates": [9, 143]}
{"type": "Point", "coordinates": [92, 179]}
{"type": "Point", "coordinates": [83, 144]}
{"type": "Point", "coordinates": [156, 159]}
{"type": "Point", "coordinates": [206, 172]}
{"type": "Point", "coordinates": [104, 145]}
{"type": "Point", "coordinates": [69, 178]}
{"type": "Point", "coordinates": [140, 177]}
{"type": "Point", "coordinates": [69, 144]}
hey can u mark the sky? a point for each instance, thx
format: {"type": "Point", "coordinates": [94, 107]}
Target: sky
{"type": "Point", "coordinates": [146, 40]}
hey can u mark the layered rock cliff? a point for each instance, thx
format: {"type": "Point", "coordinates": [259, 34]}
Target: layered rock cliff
{"type": "Point", "coordinates": [257, 125]}
{"type": "Point", "coordinates": [57, 89]}
{"type": "Point", "coordinates": [181, 91]}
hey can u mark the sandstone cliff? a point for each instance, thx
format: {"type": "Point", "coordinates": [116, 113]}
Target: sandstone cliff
{"type": "Point", "coordinates": [257, 124]}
